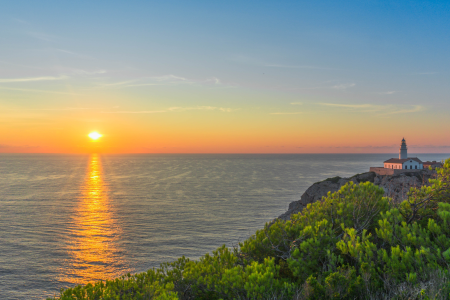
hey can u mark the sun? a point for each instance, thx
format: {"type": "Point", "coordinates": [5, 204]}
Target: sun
{"type": "Point", "coordinates": [94, 135]}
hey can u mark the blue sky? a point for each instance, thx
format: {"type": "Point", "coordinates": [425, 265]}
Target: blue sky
{"type": "Point", "coordinates": [251, 59]}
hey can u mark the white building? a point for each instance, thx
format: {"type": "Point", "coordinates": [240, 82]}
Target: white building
{"type": "Point", "coordinates": [403, 161]}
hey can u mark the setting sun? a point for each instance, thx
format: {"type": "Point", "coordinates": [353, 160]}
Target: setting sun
{"type": "Point", "coordinates": [95, 135]}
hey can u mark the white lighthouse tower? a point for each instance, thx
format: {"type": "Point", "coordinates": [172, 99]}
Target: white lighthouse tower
{"type": "Point", "coordinates": [403, 151]}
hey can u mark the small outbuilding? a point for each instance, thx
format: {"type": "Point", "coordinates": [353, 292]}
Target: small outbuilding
{"type": "Point", "coordinates": [433, 164]}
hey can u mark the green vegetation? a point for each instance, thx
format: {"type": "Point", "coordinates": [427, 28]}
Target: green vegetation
{"type": "Point", "coordinates": [369, 176]}
{"type": "Point", "coordinates": [355, 244]}
{"type": "Point", "coordinates": [333, 179]}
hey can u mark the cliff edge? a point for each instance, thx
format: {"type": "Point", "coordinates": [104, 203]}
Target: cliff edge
{"type": "Point", "coordinates": [395, 186]}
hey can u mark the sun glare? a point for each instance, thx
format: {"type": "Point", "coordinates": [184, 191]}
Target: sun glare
{"type": "Point", "coordinates": [95, 135]}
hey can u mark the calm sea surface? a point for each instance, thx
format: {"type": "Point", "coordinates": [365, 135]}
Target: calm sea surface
{"type": "Point", "coordinates": [67, 220]}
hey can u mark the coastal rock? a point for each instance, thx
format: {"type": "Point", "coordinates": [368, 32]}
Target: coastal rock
{"type": "Point", "coordinates": [395, 186]}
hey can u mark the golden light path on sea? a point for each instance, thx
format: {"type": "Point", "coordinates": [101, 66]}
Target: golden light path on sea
{"type": "Point", "coordinates": [92, 245]}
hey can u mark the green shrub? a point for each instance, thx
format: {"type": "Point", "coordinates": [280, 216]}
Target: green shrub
{"type": "Point", "coordinates": [147, 285]}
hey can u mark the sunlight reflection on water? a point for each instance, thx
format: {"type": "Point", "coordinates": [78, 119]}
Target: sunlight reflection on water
{"type": "Point", "coordinates": [92, 246]}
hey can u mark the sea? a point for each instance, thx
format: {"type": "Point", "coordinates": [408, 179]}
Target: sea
{"type": "Point", "coordinates": [73, 219]}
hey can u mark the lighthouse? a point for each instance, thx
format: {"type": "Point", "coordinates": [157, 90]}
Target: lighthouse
{"type": "Point", "coordinates": [403, 151]}
{"type": "Point", "coordinates": [403, 163]}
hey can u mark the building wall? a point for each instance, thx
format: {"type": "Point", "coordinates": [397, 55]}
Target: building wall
{"type": "Point", "coordinates": [393, 166]}
{"type": "Point", "coordinates": [413, 164]}
{"type": "Point", "coordinates": [384, 171]}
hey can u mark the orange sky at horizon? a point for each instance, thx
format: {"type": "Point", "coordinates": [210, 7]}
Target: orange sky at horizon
{"type": "Point", "coordinates": [213, 131]}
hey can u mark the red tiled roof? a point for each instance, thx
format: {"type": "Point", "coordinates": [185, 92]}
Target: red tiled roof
{"type": "Point", "coordinates": [401, 161]}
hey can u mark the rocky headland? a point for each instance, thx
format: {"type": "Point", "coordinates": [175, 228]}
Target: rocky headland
{"type": "Point", "coordinates": [395, 186]}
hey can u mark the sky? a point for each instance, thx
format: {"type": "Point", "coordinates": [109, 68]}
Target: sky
{"type": "Point", "coordinates": [224, 76]}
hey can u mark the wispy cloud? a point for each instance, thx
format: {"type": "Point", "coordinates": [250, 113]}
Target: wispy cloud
{"type": "Point", "coordinates": [116, 84]}
{"type": "Point", "coordinates": [58, 51]}
{"type": "Point", "coordinates": [223, 109]}
{"type": "Point", "coordinates": [85, 72]}
{"type": "Point", "coordinates": [296, 67]}
{"type": "Point", "coordinates": [286, 113]}
{"type": "Point", "coordinates": [159, 80]}
{"type": "Point", "coordinates": [389, 147]}
{"type": "Point", "coordinates": [166, 78]}
{"type": "Point", "coordinates": [424, 73]}
{"type": "Point", "coordinates": [65, 51]}
{"type": "Point", "coordinates": [415, 108]}
{"type": "Point", "coordinates": [340, 86]}
{"type": "Point", "coordinates": [429, 146]}
{"type": "Point", "coordinates": [50, 109]}
{"type": "Point", "coordinates": [214, 80]}
{"type": "Point", "coordinates": [380, 109]}
{"type": "Point", "coordinates": [21, 21]}
{"type": "Point", "coordinates": [191, 108]}
{"type": "Point", "coordinates": [134, 112]}
{"type": "Point", "coordinates": [343, 86]}
{"type": "Point", "coordinates": [64, 108]}
{"type": "Point", "coordinates": [32, 30]}
{"type": "Point", "coordinates": [20, 65]}
{"type": "Point", "coordinates": [11, 148]}
{"type": "Point", "coordinates": [355, 106]}
{"type": "Point", "coordinates": [364, 147]}
{"type": "Point", "coordinates": [39, 91]}
{"type": "Point", "coordinates": [173, 109]}
{"type": "Point", "coordinates": [42, 36]}
{"type": "Point", "coordinates": [368, 108]}
{"type": "Point", "coordinates": [256, 62]}
{"type": "Point", "coordinates": [69, 52]}
{"type": "Point", "coordinates": [30, 79]}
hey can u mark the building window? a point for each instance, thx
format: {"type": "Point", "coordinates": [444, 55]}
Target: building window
{"type": "Point", "coordinates": [416, 167]}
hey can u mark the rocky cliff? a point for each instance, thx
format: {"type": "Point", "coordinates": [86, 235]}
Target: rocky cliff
{"type": "Point", "coordinates": [395, 186]}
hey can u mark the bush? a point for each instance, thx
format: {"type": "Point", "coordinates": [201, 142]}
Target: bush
{"type": "Point", "coordinates": [146, 285]}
